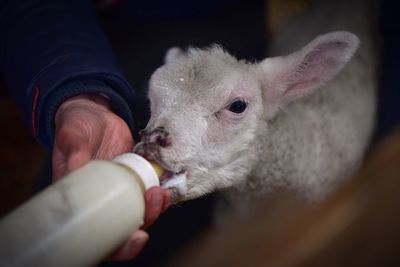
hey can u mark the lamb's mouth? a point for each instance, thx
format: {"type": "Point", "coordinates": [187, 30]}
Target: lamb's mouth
{"type": "Point", "coordinates": [174, 177]}
{"type": "Point", "coordinates": [168, 175]}
{"type": "Point", "coordinates": [176, 182]}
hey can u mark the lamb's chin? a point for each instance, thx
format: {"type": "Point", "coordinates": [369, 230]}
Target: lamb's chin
{"type": "Point", "coordinates": [177, 183]}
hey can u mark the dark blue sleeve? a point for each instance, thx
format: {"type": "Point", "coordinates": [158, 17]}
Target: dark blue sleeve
{"type": "Point", "coordinates": [389, 93]}
{"type": "Point", "coordinates": [51, 50]}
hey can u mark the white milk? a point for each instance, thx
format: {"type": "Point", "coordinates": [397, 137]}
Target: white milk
{"type": "Point", "coordinates": [81, 219]}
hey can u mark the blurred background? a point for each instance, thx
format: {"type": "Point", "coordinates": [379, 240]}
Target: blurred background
{"type": "Point", "coordinates": [357, 226]}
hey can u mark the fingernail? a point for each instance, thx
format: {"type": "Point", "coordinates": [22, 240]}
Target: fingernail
{"type": "Point", "coordinates": [167, 200]}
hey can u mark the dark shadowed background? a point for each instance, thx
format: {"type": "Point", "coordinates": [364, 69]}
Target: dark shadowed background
{"type": "Point", "coordinates": [242, 27]}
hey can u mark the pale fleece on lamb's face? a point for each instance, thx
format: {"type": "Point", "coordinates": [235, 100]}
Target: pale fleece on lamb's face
{"type": "Point", "coordinates": [296, 131]}
{"type": "Point", "coordinates": [187, 96]}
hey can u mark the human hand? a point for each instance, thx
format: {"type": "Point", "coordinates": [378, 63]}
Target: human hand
{"type": "Point", "coordinates": [86, 128]}
{"type": "Point", "coordinates": [157, 201]}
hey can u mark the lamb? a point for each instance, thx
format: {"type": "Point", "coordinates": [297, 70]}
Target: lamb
{"type": "Point", "coordinates": [288, 121]}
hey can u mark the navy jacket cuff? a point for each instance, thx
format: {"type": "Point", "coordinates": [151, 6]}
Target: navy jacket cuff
{"type": "Point", "coordinates": [106, 85]}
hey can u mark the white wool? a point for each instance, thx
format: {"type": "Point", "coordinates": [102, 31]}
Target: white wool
{"type": "Point", "coordinates": [306, 126]}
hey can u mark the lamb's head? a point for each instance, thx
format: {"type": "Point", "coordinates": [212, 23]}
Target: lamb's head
{"type": "Point", "coordinates": [207, 108]}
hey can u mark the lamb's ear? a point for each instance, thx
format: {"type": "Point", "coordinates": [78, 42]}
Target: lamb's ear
{"type": "Point", "coordinates": [172, 54]}
{"type": "Point", "coordinates": [287, 78]}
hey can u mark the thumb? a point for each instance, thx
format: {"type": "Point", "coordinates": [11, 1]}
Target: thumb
{"type": "Point", "coordinates": [70, 153]}
{"type": "Point", "coordinates": [78, 158]}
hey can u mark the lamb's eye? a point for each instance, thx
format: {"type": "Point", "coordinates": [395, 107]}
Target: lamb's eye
{"type": "Point", "coordinates": [238, 106]}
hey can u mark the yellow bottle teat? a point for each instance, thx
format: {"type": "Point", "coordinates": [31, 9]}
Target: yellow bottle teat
{"type": "Point", "coordinates": [159, 170]}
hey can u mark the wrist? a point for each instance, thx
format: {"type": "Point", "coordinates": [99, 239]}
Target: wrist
{"type": "Point", "coordinates": [88, 101]}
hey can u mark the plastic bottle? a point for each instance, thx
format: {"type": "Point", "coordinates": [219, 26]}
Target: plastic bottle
{"type": "Point", "coordinates": [82, 218]}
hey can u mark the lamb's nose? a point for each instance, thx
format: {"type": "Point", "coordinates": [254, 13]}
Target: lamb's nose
{"type": "Point", "coordinates": [158, 136]}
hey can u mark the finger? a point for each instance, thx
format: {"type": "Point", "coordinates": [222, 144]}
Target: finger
{"type": "Point", "coordinates": [132, 247]}
{"type": "Point", "coordinates": [167, 195]}
{"type": "Point", "coordinates": [154, 202]}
